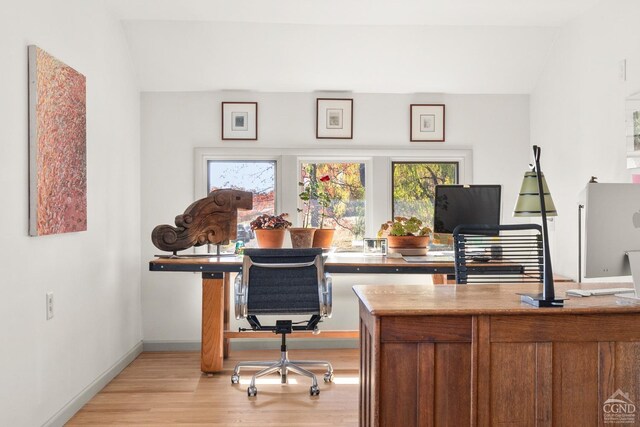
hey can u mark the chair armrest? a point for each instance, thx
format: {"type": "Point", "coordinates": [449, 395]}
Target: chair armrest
{"type": "Point", "coordinates": [326, 299]}
{"type": "Point", "coordinates": [240, 296]}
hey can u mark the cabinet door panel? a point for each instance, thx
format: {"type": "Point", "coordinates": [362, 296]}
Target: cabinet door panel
{"type": "Point", "coordinates": [575, 383]}
{"type": "Point", "coordinates": [399, 384]}
{"type": "Point", "coordinates": [425, 384]}
{"type": "Point", "coordinates": [452, 386]}
{"type": "Point", "coordinates": [513, 384]}
{"type": "Point", "coordinates": [627, 361]}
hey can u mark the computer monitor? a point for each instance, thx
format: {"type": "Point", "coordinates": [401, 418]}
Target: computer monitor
{"type": "Point", "coordinates": [465, 204]}
{"type": "Point", "coordinates": [612, 228]}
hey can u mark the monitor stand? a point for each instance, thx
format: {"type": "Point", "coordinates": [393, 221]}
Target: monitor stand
{"type": "Point", "coordinates": [634, 262]}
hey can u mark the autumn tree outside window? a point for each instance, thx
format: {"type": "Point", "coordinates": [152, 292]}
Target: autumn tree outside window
{"type": "Point", "coordinates": [343, 185]}
{"type": "Point", "coordinates": [414, 186]}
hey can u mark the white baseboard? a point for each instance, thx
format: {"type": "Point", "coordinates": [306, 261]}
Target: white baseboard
{"type": "Point", "coordinates": [70, 409]}
{"type": "Point", "coordinates": [170, 345]}
{"type": "Point", "coordinates": [253, 344]}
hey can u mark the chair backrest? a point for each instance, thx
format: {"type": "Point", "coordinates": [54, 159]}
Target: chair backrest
{"type": "Point", "coordinates": [284, 281]}
{"type": "Point", "coordinates": [498, 253]}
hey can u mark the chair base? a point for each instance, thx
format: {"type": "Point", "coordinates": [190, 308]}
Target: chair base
{"type": "Point", "coordinates": [284, 365]}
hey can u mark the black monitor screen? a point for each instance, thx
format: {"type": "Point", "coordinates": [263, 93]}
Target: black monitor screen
{"type": "Point", "coordinates": [465, 204]}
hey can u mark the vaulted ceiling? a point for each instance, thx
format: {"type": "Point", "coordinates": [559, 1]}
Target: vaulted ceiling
{"type": "Point", "coordinates": [399, 46]}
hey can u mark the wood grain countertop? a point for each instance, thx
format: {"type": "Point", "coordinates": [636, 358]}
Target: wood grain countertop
{"type": "Point", "coordinates": [447, 300]}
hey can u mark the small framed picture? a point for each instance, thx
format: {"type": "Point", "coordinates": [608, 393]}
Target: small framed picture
{"type": "Point", "coordinates": [375, 246]}
{"type": "Point", "coordinates": [427, 122]}
{"type": "Point", "coordinates": [334, 118]}
{"type": "Point", "coordinates": [240, 120]}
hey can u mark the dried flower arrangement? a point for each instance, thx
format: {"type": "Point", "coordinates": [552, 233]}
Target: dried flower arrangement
{"type": "Point", "coordinates": [270, 222]}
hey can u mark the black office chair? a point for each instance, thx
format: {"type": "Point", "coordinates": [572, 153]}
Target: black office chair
{"type": "Point", "coordinates": [498, 253]}
{"type": "Point", "coordinates": [283, 282]}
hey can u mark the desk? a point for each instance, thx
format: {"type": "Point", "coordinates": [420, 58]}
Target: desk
{"type": "Point", "coordinates": [475, 355]}
{"type": "Point", "coordinates": [216, 287]}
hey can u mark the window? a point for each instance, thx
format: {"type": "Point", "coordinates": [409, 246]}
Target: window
{"type": "Point", "coordinates": [414, 184]}
{"type": "Point", "coordinates": [256, 176]}
{"type": "Point", "coordinates": [367, 186]}
{"type": "Point", "coordinates": [339, 201]}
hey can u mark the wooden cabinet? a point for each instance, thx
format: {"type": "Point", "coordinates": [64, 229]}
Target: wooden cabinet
{"type": "Point", "coordinates": [460, 357]}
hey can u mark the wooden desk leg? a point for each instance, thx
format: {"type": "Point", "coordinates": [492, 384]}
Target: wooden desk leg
{"type": "Point", "coordinates": [443, 279]}
{"type": "Point", "coordinates": [211, 353]}
{"type": "Point", "coordinates": [226, 319]}
{"type": "Point", "coordinates": [439, 279]}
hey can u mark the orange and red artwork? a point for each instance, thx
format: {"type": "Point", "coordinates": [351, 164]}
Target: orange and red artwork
{"type": "Point", "coordinates": [57, 146]}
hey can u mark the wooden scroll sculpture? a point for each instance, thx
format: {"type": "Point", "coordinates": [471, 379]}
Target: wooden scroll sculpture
{"type": "Point", "coordinates": [213, 220]}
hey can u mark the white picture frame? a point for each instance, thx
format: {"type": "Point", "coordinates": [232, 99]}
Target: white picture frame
{"type": "Point", "coordinates": [240, 121]}
{"type": "Point", "coordinates": [334, 118]}
{"type": "Point", "coordinates": [426, 122]}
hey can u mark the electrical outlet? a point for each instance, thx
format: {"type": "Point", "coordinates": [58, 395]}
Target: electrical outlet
{"type": "Point", "coordinates": [49, 305]}
{"type": "Point", "coordinates": [622, 70]}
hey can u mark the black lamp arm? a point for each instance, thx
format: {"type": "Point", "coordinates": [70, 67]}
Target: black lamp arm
{"type": "Point", "coordinates": [548, 291]}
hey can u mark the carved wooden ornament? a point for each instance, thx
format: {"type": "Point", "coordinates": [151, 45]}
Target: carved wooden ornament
{"type": "Point", "coordinates": [213, 219]}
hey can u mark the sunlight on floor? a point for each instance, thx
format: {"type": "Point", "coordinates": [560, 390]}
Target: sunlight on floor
{"type": "Point", "coordinates": [268, 381]}
{"type": "Point", "coordinates": [336, 380]}
{"type": "Point", "coordinates": [346, 380]}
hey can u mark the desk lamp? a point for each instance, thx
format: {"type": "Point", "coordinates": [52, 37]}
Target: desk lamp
{"type": "Point", "coordinates": [535, 200]}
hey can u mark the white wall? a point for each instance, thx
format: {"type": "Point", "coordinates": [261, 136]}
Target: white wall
{"type": "Point", "coordinates": [496, 127]}
{"type": "Point", "coordinates": [94, 275]}
{"type": "Point", "coordinates": [174, 55]}
{"type": "Point", "coordinates": [577, 112]}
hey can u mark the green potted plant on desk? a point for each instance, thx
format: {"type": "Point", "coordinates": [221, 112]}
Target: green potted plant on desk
{"type": "Point", "coordinates": [323, 237]}
{"type": "Point", "coordinates": [315, 196]}
{"type": "Point", "coordinates": [406, 236]}
{"type": "Point", "coordinates": [270, 230]}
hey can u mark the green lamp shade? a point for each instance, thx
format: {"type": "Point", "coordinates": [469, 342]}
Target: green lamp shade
{"type": "Point", "coordinates": [528, 203]}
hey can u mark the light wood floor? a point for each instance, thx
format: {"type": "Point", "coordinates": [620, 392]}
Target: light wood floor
{"type": "Point", "coordinates": [168, 388]}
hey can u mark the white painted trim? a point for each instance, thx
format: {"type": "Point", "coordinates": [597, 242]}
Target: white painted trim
{"type": "Point", "coordinates": [171, 346]}
{"type": "Point", "coordinates": [462, 157]}
{"type": "Point", "coordinates": [75, 404]}
{"type": "Point", "coordinates": [371, 151]}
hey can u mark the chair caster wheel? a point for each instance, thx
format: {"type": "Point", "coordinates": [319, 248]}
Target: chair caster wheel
{"type": "Point", "coordinates": [252, 391]}
{"type": "Point", "coordinates": [328, 377]}
{"type": "Point", "coordinates": [314, 390]}
{"type": "Point", "coordinates": [235, 379]}
{"type": "Point", "coordinates": [283, 379]}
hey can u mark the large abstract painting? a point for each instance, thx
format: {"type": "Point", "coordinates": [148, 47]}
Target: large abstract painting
{"type": "Point", "coordinates": [57, 146]}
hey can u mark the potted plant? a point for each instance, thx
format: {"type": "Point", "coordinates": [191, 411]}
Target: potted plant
{"type": "Point", "coordinates": [302, 237]}
{"type": "Point", "coordinates": [270, 230]}
{"type": "Point", "coordinates": [405, 233]}
{"type": "Point", "coordinates": [323, 237]}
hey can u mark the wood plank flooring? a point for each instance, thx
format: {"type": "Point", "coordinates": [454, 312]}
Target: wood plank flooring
{"type": "Point", "coordinates": [167, 388]}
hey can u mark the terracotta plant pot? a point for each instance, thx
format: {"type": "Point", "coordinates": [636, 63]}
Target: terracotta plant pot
{"type": "Point", "coordinates": [301, 237]}
{"type": "Point", "coordinates": [270, 238]}
{"type": "Point", "coordinates": [323, 237]}
{"type": "Point", "coordinates": [408, 245]}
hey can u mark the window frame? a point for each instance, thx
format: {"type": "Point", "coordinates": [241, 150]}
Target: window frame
{"type": "Point", "coordinates": [340, 159]}
{"type": "Point", "coordinates": [202, 171]}
{"type": "Point", "coordinates": [378, 208]}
